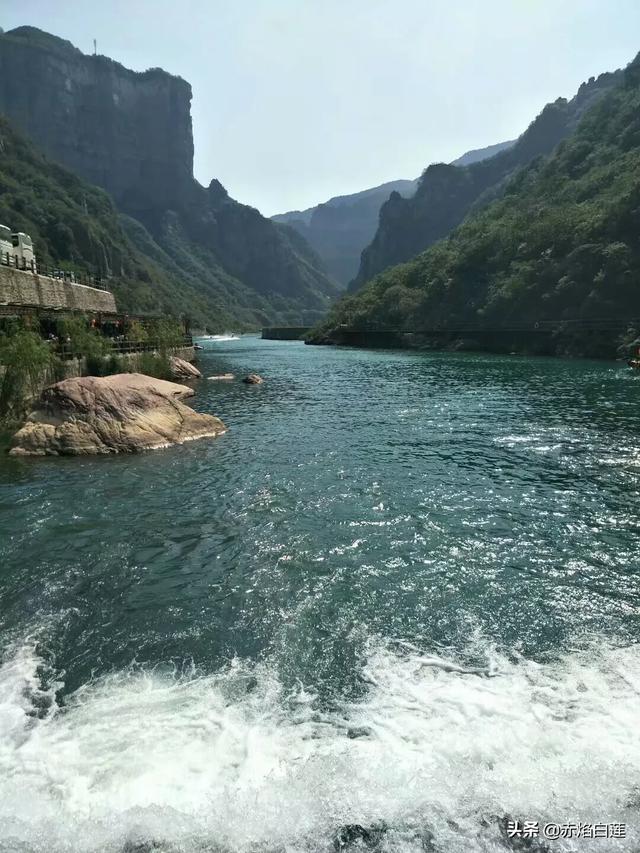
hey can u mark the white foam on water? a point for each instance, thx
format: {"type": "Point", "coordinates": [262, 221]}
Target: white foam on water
{"type": "Point", "coordinates": [233, 761]}
{"type": "Point", "coordinates": [227, 336]}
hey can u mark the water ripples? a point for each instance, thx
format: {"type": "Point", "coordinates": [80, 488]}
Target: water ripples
{"type": "Point", "coordinates": [416, 494]}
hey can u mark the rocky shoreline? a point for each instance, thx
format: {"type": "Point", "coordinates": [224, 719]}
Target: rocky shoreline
{"type": "Point", "coordinates": [123, 413]}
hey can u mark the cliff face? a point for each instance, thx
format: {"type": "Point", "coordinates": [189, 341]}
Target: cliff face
{"type": "Point", "coordinates": [339, 229]}
{"type": "Point", "coordinates": [75, 225]}
{"type": "Point", "coordinates": [130, 133]}
{"type": "Point", "coordinates": [447, 193]}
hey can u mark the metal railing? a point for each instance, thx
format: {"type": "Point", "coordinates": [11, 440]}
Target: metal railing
{"type": "Point", "coordinates": [16, 262]}
{"type": "Point", "coordinates": [120, 347]}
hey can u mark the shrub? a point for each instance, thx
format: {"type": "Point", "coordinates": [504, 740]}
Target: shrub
{"type": "Point", "coordinates": [26, 360]}
{"type": "Point", "coordinates": [167, 333]}
{"type": "Point", "coordinates": [155, 364]}
{"type": "Point", "coordinates": [78, 338]}
{"type": "Point", "coordinates": [137, 332]}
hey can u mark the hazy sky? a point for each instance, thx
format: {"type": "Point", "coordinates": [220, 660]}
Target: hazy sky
{"type": "Point", "coordinates": [298, 100]}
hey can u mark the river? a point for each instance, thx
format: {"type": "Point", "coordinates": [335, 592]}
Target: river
{"type": "Point", "coordinates": [400, 593]}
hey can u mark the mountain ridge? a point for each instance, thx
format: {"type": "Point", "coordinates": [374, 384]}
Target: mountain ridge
{"type": "Point", "coordinates": [130, 133]}
{"type": "Point", "coordinates": [446, 193]}
{"type": "Point", "coordinates": [341, 227]}
{"type": "Point", "coordinates": [561, 243]}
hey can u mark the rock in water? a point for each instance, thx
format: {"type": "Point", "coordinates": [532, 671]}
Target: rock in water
{"type": "Point", "coordinates": [124, 413]}
{"type": "Point", "coordinates": [181, 369]}
{"type": "Point", "coordinates": [253, 379]}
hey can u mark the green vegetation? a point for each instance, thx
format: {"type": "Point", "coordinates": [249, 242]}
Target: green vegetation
{"type": "Point", "coordinates": [24, 359]}
{"type": "Point", "coordinates": [28, 361]}
{"type": "Point", "coordinates": [563, 242]}
{"type": "Point", "coordinates": [137, 333]}
{"type": "Point", "coordinates": [79, 339]}
{"type": "Point", "coordinates": [154, 364]}
{"type": "Point", "coordinates": [447, 193]}
{"type": "Point", "coordinates": [76, 226]}
{"type": "Point", "coordinates": [165, 333]}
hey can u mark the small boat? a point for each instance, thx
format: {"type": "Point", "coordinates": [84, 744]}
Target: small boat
{"type": "Point", "coordinates": [198, 346]}
{"type": "Point", "coordinates": [229, 336]}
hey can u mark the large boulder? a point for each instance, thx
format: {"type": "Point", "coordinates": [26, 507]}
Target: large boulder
{"type": "Point", "coordinates": [181, 369]}
{"type": "Point", "coordinates": [124, 413]}
{"type": "Point", "coordinates": [253, 379]}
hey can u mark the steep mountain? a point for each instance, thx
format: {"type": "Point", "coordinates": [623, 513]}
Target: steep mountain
{"type": "Point", "coordinates": [562, 242]}
{"type": "Point", "coordinates": [130, 133]}
{"type": "Point", "coordinates": [340, 228]}
{"type": "Point", "coordinates": [447, 193]}
{"type": "Point", "coordinates": [75, 225]}
{"type": "Point", "coordinates": [479, 154]}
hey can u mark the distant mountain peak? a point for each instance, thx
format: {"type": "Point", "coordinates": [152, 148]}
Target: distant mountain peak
{"type": "Point", "coordinates": [339, 229]}
{"type": "Point", "coordinates": [476, 155]}
{"type": "Point", "coordinates": [342, 227]}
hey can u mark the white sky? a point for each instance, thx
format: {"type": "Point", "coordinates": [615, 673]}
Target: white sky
{"type": "Point", "coordinates": [295, 101]}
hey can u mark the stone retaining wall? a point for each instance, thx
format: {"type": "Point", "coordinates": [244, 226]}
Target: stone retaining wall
{"type": "Point", "coordinates": [25, 288]}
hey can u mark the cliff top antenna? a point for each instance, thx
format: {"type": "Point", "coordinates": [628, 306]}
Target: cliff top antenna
{"type": "Point", "coordinates": [95, 47]}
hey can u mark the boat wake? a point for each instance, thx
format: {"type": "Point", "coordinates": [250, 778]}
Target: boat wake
{"type": "Point", "coordinates": [433, 757]}
{"type": "Point", "coordinates": [228, 336]}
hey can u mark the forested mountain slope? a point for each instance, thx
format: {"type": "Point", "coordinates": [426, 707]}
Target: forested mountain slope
{"type": "Point", "coordinates": [75, 225]}
{"type": "Point", "coordinates": [563, 242]}
{"type": "Point", "coordinates": [446, 193]}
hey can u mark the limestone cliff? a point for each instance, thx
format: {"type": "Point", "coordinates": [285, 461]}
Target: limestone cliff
{"type": "Point", "coordinates": [126, 132]}
{"type": "Point", "coordinates": [130, 133]}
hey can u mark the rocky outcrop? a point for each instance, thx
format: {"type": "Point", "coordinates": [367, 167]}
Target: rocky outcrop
{"type": "Point", "coordinates": [125, 413]}
{"type": "Point", "coordinates": [181, 369]}
{"type": "Point", "coordinates": [130, 133]}
{"type": "Point", "coordinates": [253, 379]}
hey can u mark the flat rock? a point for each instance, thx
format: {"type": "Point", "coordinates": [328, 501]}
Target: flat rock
{"type": "Point", "coordinates": [222, 376]}
{"type": "Point", "coordinates": [253, 379]}
{"type": "Point", "coordinates": [125, 413]}
{"type": "Point", "coordinates": [181, 369]}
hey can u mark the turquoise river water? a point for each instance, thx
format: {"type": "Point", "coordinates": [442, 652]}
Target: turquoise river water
{"type": "Point", "coordinates": [395, 604]}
